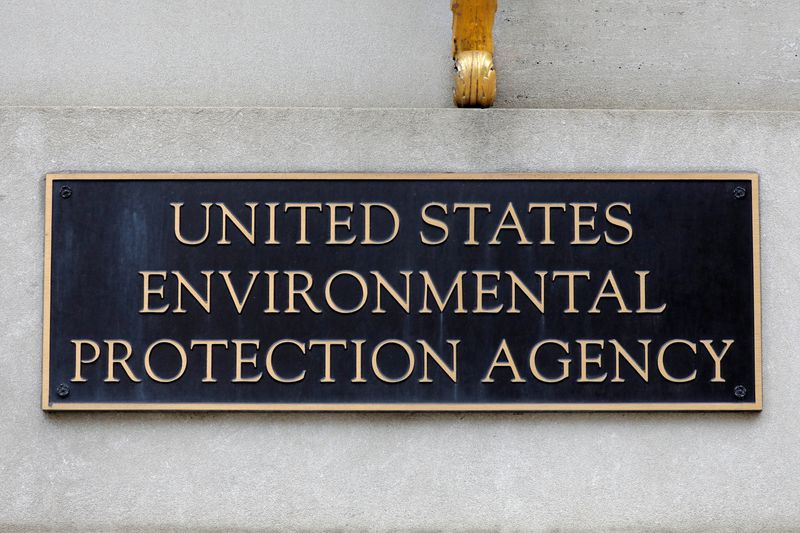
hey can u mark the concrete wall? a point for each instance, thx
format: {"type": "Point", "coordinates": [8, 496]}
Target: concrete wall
{"type": "Point", "coordinates": [162, 471]}
{"type": "Point", "coordinates": [685, 471]}
{"type": "Point", "coordinates": [666, 54]}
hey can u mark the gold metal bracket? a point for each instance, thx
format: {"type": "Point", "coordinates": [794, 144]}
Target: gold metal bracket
{"type": "Point", "coordinates": [475, 79]}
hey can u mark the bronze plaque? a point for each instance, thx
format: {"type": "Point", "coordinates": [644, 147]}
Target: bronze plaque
{"type": "Point", "coordinates": [423, 292]}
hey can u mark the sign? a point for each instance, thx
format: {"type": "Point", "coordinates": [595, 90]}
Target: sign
{"type": "Point", "coordinates": [402, 292]}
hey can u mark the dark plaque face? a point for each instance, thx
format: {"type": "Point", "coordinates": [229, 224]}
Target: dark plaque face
{"type": "Point", "coordinates": [402, 292]}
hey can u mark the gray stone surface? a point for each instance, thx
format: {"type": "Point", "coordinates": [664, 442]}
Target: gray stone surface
{"type": "Point", "coordinates": [669, 54]}
{"type": "Point", "coordinates": [684, 54]}
{"type": "Point", "coordinates": [681, 471]}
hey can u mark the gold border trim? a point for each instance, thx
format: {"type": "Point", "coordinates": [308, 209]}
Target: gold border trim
{"type": "Point", "coordinates": [752, 177]}
{"type": "Point", "coordinates": [48, 228]}
{"type": "Point", "coordinates": [405, 407]}
{"type": "Point", "coordinates": [542, 176]}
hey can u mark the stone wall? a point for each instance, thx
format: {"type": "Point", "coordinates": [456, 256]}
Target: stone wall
{"type": "Point", "coordinates": [702, 471]}
{"type": "Point", "coordinates": [198, 72]}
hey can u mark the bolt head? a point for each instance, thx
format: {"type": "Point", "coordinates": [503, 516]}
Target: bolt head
{"type": "Point", "coordinates": [62, 390]}
{"type": "Point", "coordinates": [66, 192]}
{"type": "Point", "coordinates": [740, 391]}
{"type": "Point", "coordinates": [739, 192]}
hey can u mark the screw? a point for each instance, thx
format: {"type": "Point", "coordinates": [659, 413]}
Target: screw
{"type": "Point", "coordinates": [62, 390]}
{"type": "Point", "coordinates": [66, 192]}
{"type": "Point", "coordinates": [740, 391]}
{"type": "Point", "coordinates": [739, 192]}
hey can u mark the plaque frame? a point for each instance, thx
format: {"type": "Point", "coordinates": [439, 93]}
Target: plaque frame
{"type": "Point", "coordinates": [751, 177]}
